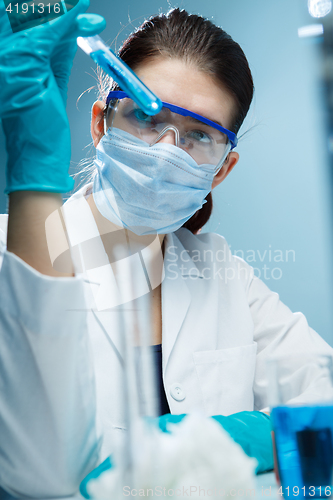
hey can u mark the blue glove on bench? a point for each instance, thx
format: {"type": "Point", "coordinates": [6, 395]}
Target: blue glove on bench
{"type": "Point", "coordinates": [250, 429]}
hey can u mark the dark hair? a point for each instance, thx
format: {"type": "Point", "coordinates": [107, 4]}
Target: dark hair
{"type": "Point", "coordinates": [197, 40]}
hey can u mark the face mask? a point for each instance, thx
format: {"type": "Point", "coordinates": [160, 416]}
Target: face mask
{"type": "Point", "coordinates": [145, 189]}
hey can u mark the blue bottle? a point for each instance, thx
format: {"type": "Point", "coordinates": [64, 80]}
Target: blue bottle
{"type": "Point", "coordinates": [304, 449]}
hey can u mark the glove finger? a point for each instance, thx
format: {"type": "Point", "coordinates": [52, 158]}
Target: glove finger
{"type": "Point", "coordinates": [89, 24]}
{"type": "Point", "coordinates": [75, 23]}
{"type": "Point", "coordinates": [66, 24]}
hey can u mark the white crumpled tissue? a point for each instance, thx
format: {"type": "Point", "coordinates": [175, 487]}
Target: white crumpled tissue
{"type": "Point", "coordinates": [198, 459]}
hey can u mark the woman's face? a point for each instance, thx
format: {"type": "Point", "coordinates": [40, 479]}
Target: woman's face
{"type": "Point", "coordinates": [179, 83]}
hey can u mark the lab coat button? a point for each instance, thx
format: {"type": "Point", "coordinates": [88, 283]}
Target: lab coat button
{"type": "Point", "coordinates": [177, 392]}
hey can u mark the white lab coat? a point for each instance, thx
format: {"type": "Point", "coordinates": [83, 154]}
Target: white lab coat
{"type": "Point", "coordinates": [60, 369]}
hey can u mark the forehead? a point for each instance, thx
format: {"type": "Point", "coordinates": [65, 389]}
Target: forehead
{"type": "Point", "coordinates": [182, 84]}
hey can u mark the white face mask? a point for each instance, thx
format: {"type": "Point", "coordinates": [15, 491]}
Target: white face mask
{"type": "Point", "coordinates": [145, 189]}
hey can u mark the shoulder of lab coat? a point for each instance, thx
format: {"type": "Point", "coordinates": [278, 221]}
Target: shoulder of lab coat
{"type": "Point", "coordinates": [277, 331]}
{"type": "Point", "coordinates": [48, 432]}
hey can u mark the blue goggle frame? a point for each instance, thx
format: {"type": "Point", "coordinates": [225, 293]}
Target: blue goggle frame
{"type": "Point", "coordinates": [119, 94]}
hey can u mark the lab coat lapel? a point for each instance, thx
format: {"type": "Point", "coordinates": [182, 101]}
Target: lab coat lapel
{"type": "Point", "coordinates": [176, 295]}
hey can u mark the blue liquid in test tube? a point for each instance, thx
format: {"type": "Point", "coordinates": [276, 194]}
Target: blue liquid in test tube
{"type": "Point", "coordinates": [121, 73]}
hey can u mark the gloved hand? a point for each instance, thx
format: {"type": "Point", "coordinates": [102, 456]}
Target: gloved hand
{"type": "Point", "coordinates": [34, 69]}
{"type": "Point", "coordinates": [250, 429]}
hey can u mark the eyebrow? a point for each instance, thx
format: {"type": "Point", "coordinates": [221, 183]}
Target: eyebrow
{"type": "Point", "coordinates": [198, 121]}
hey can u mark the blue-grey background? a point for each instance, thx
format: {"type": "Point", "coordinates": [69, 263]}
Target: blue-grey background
{"type": "Point", "coordinates": [275, 208]}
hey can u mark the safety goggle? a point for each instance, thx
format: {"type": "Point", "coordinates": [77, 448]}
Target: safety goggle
{"type": "Point", "coordinates": [207, 142]}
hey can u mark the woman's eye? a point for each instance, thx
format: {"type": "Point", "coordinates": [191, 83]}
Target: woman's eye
{"type": "Point", "coordinates": [199, 136]}
{"type": "Point", "coordinates": [141, 116]}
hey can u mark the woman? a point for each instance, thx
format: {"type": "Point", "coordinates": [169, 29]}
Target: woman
{"type": "Point", "coordinates": [217, 324]}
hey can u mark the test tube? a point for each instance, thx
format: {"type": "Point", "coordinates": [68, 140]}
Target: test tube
{"type": "Point", "coordinates": [139, 377]}
{"type": "Point", "coordinates": [121, 73]}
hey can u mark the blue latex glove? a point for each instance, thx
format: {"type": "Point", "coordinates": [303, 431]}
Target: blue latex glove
{"type": "Point", "coordinates": [34, 69]}
{"type": "Point", "coordinates": [250, 429]}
